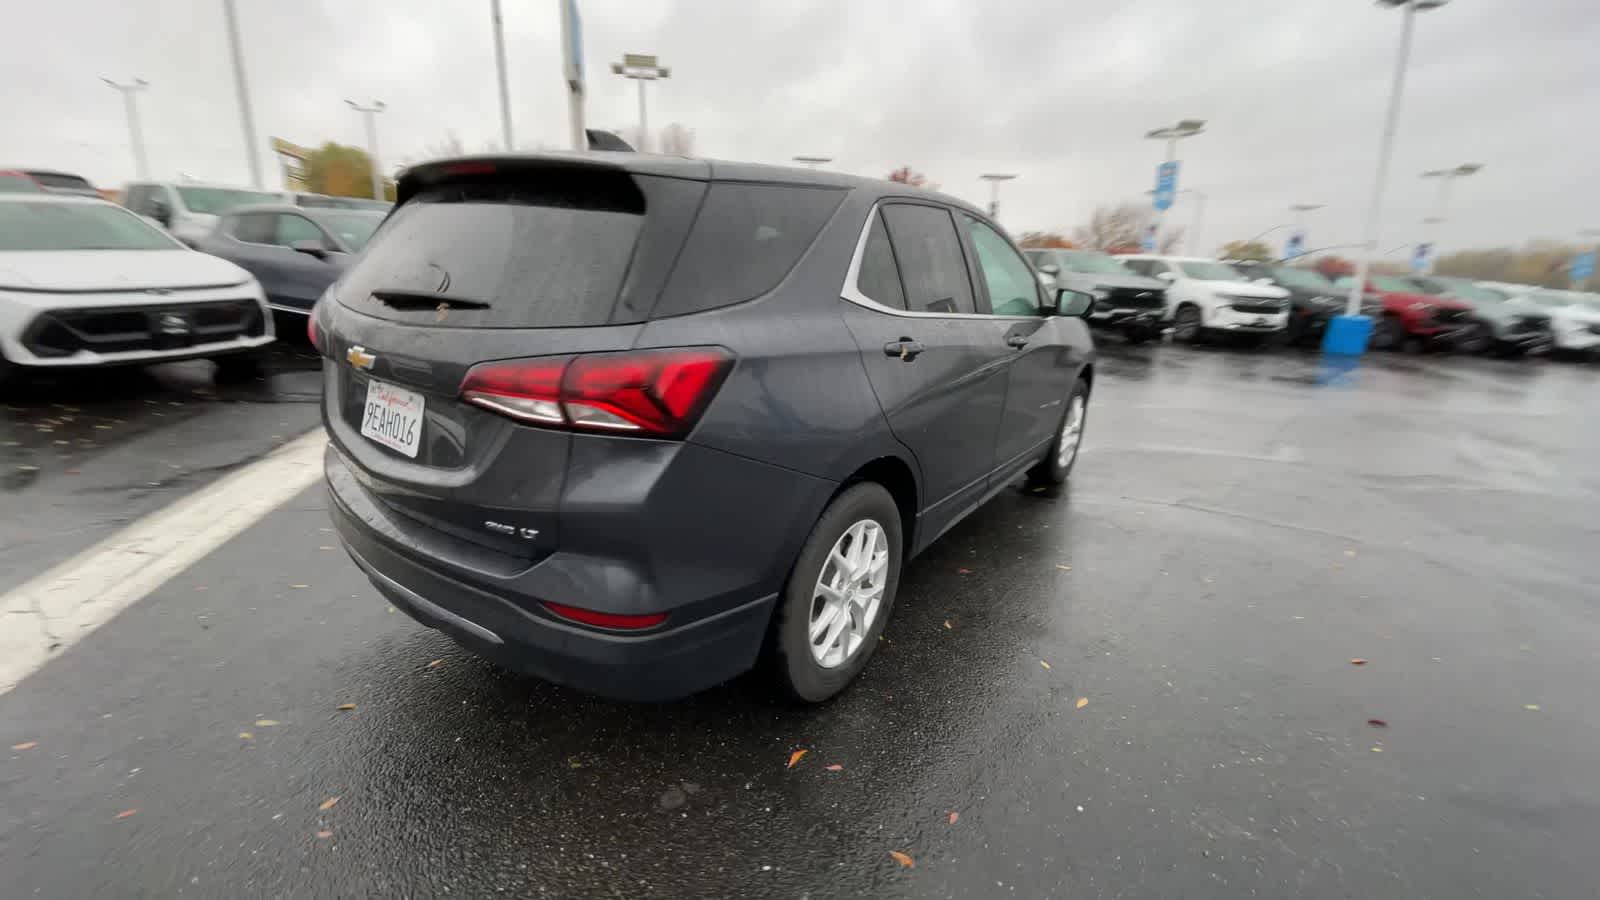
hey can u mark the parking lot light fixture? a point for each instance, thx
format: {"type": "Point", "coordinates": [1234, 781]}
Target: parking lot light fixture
{"type": "Point", "coordinates": [1348, 334]}
{"type": "Point", "coordinates": [994, 179]}
{"type": "Point", "coordinates": [1435, 221]}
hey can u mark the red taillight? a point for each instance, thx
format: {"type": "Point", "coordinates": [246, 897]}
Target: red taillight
{"type": "Point", "coordinates": [659, 393]}
{"type": "Point", "coordinates": [606, 620]}
{"type": "Point", "coordinates": [469, 169]}
{"type": "Point", "coordinates": [314, 331]}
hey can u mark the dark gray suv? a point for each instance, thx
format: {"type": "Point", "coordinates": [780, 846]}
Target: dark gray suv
{"type": "Point", "coordinates": [628, 422]}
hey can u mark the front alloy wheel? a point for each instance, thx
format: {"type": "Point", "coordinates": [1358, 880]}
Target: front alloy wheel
{"type": "Point", "coordinates": [1186, 325]}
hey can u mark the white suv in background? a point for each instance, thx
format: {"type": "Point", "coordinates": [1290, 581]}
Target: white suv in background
{"type": "Point", "coordinates": [189, 210]}
{"type": "Point", "coordinates": [1204, 295]}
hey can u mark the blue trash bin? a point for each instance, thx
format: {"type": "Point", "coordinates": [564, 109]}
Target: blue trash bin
{"type": "Point", "coordinates": [1347, 335]}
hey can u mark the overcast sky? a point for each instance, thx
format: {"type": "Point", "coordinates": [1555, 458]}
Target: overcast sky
{"type": "Point", "coordinates": [1059, 93]}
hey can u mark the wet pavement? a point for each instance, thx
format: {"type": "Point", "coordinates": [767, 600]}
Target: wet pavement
{"type": "Point", "coordinates": [1139, 687]}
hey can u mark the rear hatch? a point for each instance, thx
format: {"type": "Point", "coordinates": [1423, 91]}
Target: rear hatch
{"type": "Point", "coordinates": [481, 261]}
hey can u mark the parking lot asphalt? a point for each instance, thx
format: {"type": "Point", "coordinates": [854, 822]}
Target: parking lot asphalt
{"type": "Point", "coordinates": [1145, 685]}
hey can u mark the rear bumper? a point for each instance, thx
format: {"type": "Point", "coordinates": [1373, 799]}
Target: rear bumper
{"type": "Point", "coordinates": [491, 603]}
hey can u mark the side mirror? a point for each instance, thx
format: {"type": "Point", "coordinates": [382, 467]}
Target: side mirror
{"type": "Point", "coordinates": [1050, 269]}
{"type": "Point", "coordinates": [310, 248]}
{"type": "Point", "coordinates": [161, 212]}
{"type": "Point", "coordinates": [1166, 276]}
{"type": "Point", "coordinates": [1073, 303]}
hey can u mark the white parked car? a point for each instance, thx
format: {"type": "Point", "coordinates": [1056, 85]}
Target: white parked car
{"type": "Point", "coordinates": [1574, 316]}
{"type": "Point", "coordinates": [189, 209]}
{"type": "Point", "coordinates": [1204, 295]}
{"type": "Point", "coordinates": [84, 282]}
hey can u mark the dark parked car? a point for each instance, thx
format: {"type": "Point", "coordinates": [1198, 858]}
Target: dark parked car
{"type": "Point", "coordinates": [295, 253]}
{"type": "Point", "coordinates": [1516, 325]}
{"type": "Point", "coordinates": [1415, 320]}
{"type": "Point", "coordinates": [1313, 298]}
{"type": "Point", "coordinates": [45, 181]}
{"type": "Point", "coordinates": [630, 422]}
{"type": "Point", "coordinates": [1123, 299]}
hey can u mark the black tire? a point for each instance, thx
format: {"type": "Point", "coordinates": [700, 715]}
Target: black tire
{"type": "Point", "coordinates": [1477, 341]}
{"type": "Point", "coordinates": [1186, 325]}
{"type": "Point", "coordinates": [238, 367]}
{"type": "Point", "coordinates": [1050, 470]}
{"type": "Point", "coordinates": [1137, 336]}
{"type": "Point", "coordinates": [1388, 334]}
{"type": "Point", "coordinates": [798, 672]}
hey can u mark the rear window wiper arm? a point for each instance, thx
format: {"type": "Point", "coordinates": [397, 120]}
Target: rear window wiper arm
{"type": "Point", "coordinates": [400, 298]}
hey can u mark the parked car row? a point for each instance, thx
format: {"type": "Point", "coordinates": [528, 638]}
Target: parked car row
{"type": "Point", "coordinates": [1143, 295]}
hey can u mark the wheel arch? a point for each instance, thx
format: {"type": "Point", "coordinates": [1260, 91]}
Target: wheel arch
{"type": "Point", "coordinates": [898, 477]}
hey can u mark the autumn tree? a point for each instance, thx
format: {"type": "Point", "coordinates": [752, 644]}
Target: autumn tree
{"type": "Point", "coordinates": [1120, 229]}
{"type": "Point", "coordinates": [1332, 266]}
{"type": "Point", "coordinates": [1046, 239]}
{"type": "Point", "coordinates": [341, 171]}
{"type": "Point", "coordinates": [908, 175]}
{"type": "Point", "coordinates": [676, 140]}
{"type": "Point", "coordinates": [1257, 250]}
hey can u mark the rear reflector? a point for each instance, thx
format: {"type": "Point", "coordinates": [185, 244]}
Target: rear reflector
{"type": "Point", "coordinates": [606, 620]}
{"type": "Point", "coordinates": [654, 393]}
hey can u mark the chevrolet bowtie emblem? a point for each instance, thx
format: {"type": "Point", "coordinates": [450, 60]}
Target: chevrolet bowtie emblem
{"type": "Point", "coordinates": [360, 358]}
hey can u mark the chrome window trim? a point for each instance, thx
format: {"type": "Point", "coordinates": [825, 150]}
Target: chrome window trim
{"type": "Point", "coordinates": [853, 272]}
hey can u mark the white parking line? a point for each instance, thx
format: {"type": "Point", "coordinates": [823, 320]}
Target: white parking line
{"type": "Point", "coordinates": [55, 610]}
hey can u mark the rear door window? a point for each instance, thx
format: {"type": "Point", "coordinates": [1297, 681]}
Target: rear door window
{"type": "Point", "coordinates": [879, 278]}
{"type": "Point", "coordinates": [932, 265]}
{"type": "Point", "coordinates": [292, 228]}
{"type": "Point", "coordinates": [255, 228]}
{"type": "Point", "coordinates": [745, 240]}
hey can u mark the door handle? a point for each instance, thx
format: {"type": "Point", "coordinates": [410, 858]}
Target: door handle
{"type": "Point", "coordinates": [905, 348]}
{"type": "Point", "coordinates": [1017, 340]}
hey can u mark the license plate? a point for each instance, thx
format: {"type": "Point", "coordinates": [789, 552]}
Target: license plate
{"type": "Point", "coordinates": [393, 417]}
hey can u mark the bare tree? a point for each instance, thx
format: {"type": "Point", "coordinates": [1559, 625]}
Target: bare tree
{"type": "Point", "coordinates": [1120, 229]}
{"type": "Point", "coordinates": [676, 140]}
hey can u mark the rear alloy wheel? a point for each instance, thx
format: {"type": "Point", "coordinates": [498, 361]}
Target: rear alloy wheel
{"type": "Point", "coordinates": [1186, 325]}
{"type": "Point", "coordinates": [1057, 464]}
{"type": "Point", "coordinates": [839, 594]}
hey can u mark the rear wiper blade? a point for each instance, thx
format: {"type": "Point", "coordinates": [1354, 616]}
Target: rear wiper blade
{"type": "Point", "coordinates": [400, 298]}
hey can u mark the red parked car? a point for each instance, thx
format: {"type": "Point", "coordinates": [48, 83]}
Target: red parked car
{"type": "Point", "coordinates": [1414, 320]}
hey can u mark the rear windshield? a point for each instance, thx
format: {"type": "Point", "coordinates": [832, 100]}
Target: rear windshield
{"type": "Point", "coordinates": [61, 181]}
{"type": "Point", "coordinates": [546, 254]}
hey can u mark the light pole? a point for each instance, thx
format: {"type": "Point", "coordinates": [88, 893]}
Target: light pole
{"type": "Point", "coordinates": [1191, 241]}
{"type": "Point", "coordinates": [813, 161]}
{"type": "Point", "coordinates": [244, 93]}
{"type": "Point", "coordinates": [1172, 134]}
{"type": "Point", "coordinates": [641, 67]}
{"type": "Point", "coordinates": [369, 114]}
{"type": "Point", "coordinates": [994, 179]}
{"type": "Point", "coordinates": [135, 134]}
{"type": "Point", "coordinates": [1410, 8]}
{"type": "Point", "coordinates": [500, 71]}
{"type": "Point", "coordinates": [1297, 238]}
{"type": "Point", "coordinates": [1436, 221]}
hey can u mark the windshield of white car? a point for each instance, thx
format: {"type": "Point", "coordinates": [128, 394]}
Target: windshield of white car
{"type": "Point", "coordinates": [1466, 290]}
{"type": "Point", "coordinates": [1305, 279]}
{"type": "Point", "coordinates": [1211, 271]}
{"type": "Point", "coordinates": [354, 227]}
{"type": "Point", "coordinates": [1554, 301]}
{"type": "Point", "coordinates": [1095, 264]}
{"type": "Point", "coordinates": [216, 201]}
{"type": "Point", "coordinates": [30, 226]}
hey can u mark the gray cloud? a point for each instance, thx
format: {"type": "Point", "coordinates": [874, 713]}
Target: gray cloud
{"type": "Point", "coordinates": [1059, 93]}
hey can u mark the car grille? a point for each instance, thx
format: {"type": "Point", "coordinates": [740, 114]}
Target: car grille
{"type": "Point", "coordinates": [1135, 298]}
{"type": "Point", "coordinates": [1594, 328]}
{"type": "Point", "coordinates": [63, 332]}
{"type": "Point", "coordinates": [1530, 325]}
{"type": "Point", "coordinates": [1450, 316]}
{"type": "Point", "coordinates": [1259, 307]}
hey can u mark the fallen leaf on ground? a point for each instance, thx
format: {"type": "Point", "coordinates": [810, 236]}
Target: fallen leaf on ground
{"type": "Point", "coordinates": [436, 663]}
{"type": "Point", "coordinates": [954, 817]}
{"type": "Point", "coordinates": [1349, 553]}
{"type": "Point", "coordinates": [1377, 723]}
{"type": "Point", "coordinates": [1064, 568]}
{"type": "Point", "coordinates": [963, 571]}
{"type": "Point", "coordinates": [246, 736]}
{"type": "Point", "coordinates": [834, 768]}
{"type": "Point", "coordinates": [1043, 663]}
{"type": "Point", "coordinates": [903, 859]}
{"type": "Point", "coordinates": [1082, 702]}
{"type": "Point", "coordinates": [795, 757]}
{"type": "Point", "coordinates": [574, 763]}
{"type": "Point", "coordinates": [1531, 707]}
{"type": "Point", "coordinates": [328, 804]}
{"type": "Point", "coordinates": [266, 723]}
{"type": "Point", "coordinates": [126, 813]}
{"type": "Point", "coordinates": [347, 706]}
{"type": "Point", "coordinates": [25, 745]}
{"type": "Point", "coordinates": [324, 834]}
{"type": "Point", "coordinates": [947, 624]}
{"type": "Point", "coordinates": [325, 547]}
{"type": "Point", "coordinates": [1377, 749]}
{"type": "Point", "coordinates": [1358, 661]}
{"type": "Point", "coordinates": [299, 586]}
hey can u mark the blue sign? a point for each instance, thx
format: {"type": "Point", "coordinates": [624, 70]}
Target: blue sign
{"type": "Point", "coordinates": [1295, 246]}
{"type": "Point", "coordinates": [1166, 185]}
{"type": "Point", "coordinates": [1583, 266]}
{"type": "Point", "coordinates": [1147, 242]}
{"type": "Point", "coordinates": [1421, 258]}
